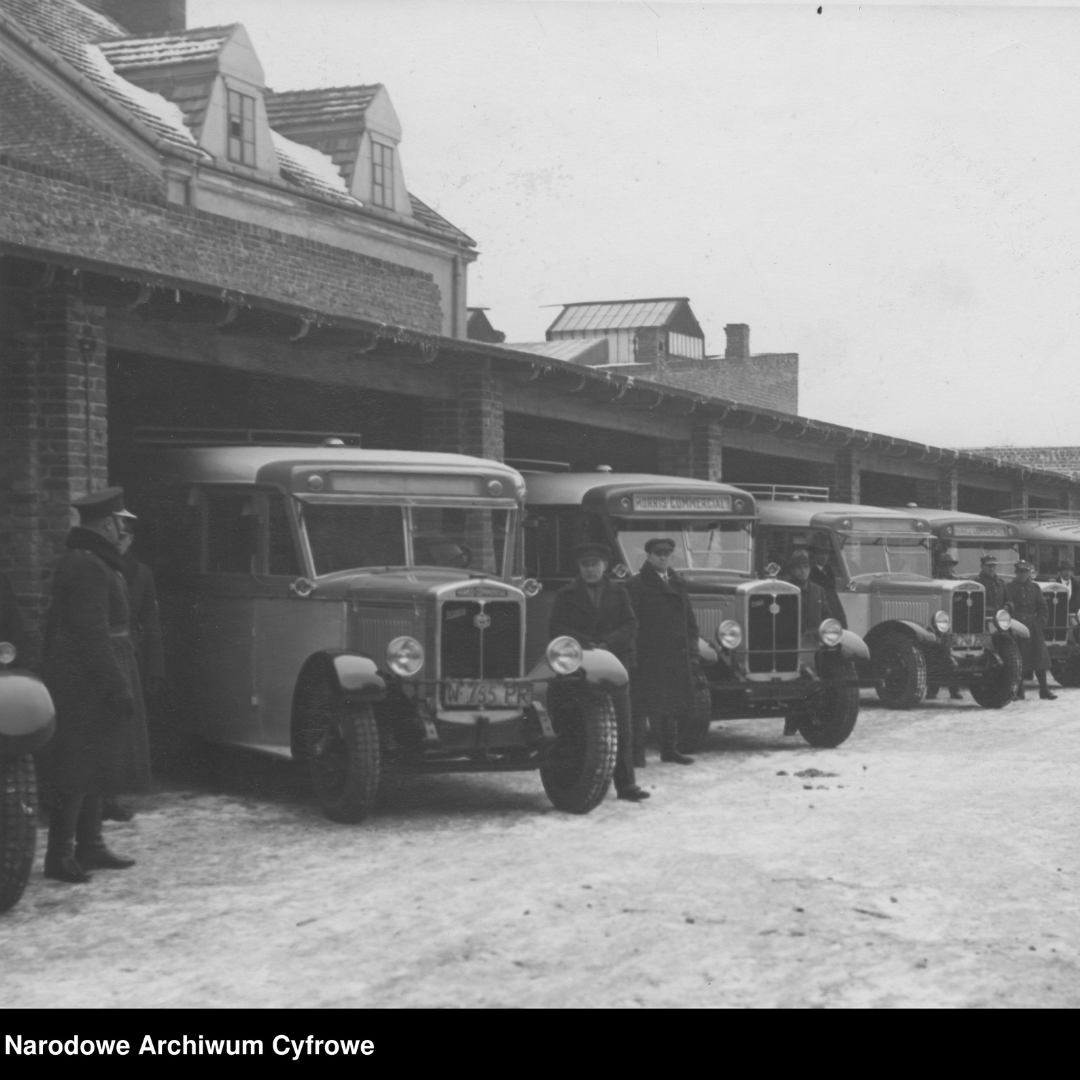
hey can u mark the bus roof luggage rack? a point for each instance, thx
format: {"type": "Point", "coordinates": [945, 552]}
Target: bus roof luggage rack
{"type": "Point", "coordinates": [1043, 515]}
{"type": "Point", "coordinates": [784, 492]}
{"type": "Point", "coordinates": [532, 465]}
{"type": "Point", "coordinates": [164, 436]}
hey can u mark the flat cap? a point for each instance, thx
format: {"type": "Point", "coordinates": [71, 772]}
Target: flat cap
{"type": "Point", "coordinates": [104, 503]}
{"type": "Point", "coordinates": [1065, 565]}
{"type": "Point", "coordinates": [947, 559]}
{"type": "Point", "coordinates": [592, 551]}
{"type": "Point", "coordinates": [988, 559]}
{"type": "Point", "coordinates": [658, 542]}
{"type": "Point", "coordinates": [1023, 564]}
{"type": "Point", "coordinates": [799, 557]}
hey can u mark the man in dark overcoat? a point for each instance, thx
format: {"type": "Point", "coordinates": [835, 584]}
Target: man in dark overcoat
{"type": "Point", "coordinates": [1066, 577]}
{"type": "Point", "coordinates": [597, 614]}
{"type": "Point", "coordinates": [146, 637]}
{"type": "Point", "coordinates": [994, 585]}
{"type": "Point", "coordinates": [100, 747]}
{"type": "Point", "coordinates": [1028, 605]}
{"type": "Point", "coordinates": [813, 604]}
{"type": "Point", "coordinates": [667, 645]}
{"type": "Point", "coordinates": [823, 576]}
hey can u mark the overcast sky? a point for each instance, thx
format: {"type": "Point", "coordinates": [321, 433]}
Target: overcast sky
{"type": "Point", "coordinates": [890, 192]}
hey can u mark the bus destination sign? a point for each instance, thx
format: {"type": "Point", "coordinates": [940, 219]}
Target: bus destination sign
{"type": "Point", "coordinates": [672, 503]}
{"type": "Point", "coordinates": [980, 530]}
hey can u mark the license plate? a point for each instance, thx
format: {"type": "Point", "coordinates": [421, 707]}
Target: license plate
{"type": "Point", "coordinates": [967, 641]}
{"type": "Point", "coordinates": [479, 694]}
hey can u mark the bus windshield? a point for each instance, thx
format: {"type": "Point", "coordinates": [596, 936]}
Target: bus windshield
{"type": "Point", "coordinates": [968, 555]}
{"type": "Point", "coordinates": [699, 544]}
{"type": "Point", "coordinates": [348, 536]}
{"type": "Point", "coordinates": [886, 555]}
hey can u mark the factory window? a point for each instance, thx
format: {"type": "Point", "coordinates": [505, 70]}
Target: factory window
{"type": "Point", "coordinates": [690, 348]}
{"type": "Point", "coordinates": [382, 174]}
{"type": "Point", "coordinates": [241, 128]}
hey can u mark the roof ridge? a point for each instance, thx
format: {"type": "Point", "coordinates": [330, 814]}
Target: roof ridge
{"type": "Point", "coordinates": [325, 89]}
{"type": "Point", "coordinates": [192, 31]}
{"type": "Point", "coordinates": [632, 300]}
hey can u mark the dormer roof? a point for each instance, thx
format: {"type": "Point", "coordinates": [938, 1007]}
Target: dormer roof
{"type": "Point", "coordinates": [326, 105]}
{"type": "Point", "coordinates": [605, 315]}
{"type": "Point", "coordinates": [131, 54]}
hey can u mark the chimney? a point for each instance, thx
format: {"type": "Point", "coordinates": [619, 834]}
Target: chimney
{"type": "Point", "coordinates": [154, 17]}
{"type": "Point", "coordinates": [738, 341]}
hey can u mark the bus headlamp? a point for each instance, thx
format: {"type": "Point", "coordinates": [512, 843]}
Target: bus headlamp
{"type": "Point", "coordinates": [564, 655]}
{"type": "Point", "coordinates": [405, 656]}
{"type": "Point", "coordinates": [831, 632]}
{"type": "Point", "coordinates": [1003, 619]}
{"type": "Point", "coordinates": [7, 652]}
{"type": "Point", "coordinates": [942, 622]}
{"type": "Point", "coordinates": [729, 634]}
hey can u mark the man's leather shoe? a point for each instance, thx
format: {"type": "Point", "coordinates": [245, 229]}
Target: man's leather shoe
{"type": "Point", "coordinates": [1019, 696]}
{"type": "Point", "coordinates": [634, 794]}
{"type": "Point", "coordinates": [675, 758]}
{"type": "Point", "coordinates": [65, 868]}
{"type": "Point", "coordinates": [114, 810]}
{"type": "Point", "coordinates": [101, 858]}
{"type": "Point", "coordinates": [1048, 695]}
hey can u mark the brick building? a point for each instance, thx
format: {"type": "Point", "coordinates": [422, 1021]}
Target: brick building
{"type": "Point", "coordinates": [661, 340]}
{"type": "Point", "coordinates": [1062, 459]}
{"type": "Point", "coordinates": [180, 247]}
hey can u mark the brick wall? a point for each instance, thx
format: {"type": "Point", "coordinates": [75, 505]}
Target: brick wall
{"type": "Point", "coordinates": [768, 381]}
{"type": "Point", "coordinates": [49, 211]}
{"type": "Point", "coordinates": [39, 129]}
{"type": "Point", "coordinates": [470, 423]}
{"type": "Point", "coordinates": [1064, 459]}
{"type": "Point", "coordinates": [53, 427]}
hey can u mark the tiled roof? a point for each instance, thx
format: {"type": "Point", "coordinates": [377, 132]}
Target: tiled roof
{"type": "Point", "coordinates": [616, 314]}
{"type": "Point", "coordinates": [572, 350]}
{"type": "Point", "coordinates": [318, 108]}
{"type": "Point", "coordinates": [433, 220]}
{"type": "Point", "coordinates": [311, 170]}
{"type": "Point", "coordinates": [129, 54]}
{"type": "Point", "coordinates": [72, 32]}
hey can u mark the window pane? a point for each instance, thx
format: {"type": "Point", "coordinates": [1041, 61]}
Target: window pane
{"type": "Point", "coordinates": [231, 524]}
{"type": "Point", "coordinates": [283, 557]}
{"type": "Point", "coordinates": [464, 539]}
{"type": "Point", "coordinates": [349, 537]}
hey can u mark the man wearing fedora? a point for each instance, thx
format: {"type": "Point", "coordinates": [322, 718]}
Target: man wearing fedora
{"type": "Point", "coordinates": [667, 645]}
{"type": "Point", "coordinates": [1028, 605]}
{"type": "Point", "coordinates": [100, 747]}
{"type": "Point", "coordinates": [597, 614]}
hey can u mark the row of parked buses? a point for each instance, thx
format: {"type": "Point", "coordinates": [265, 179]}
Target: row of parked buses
{"type": "Point", "coordinates": [363, 610]}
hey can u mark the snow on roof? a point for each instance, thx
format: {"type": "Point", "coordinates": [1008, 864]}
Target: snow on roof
{"type": "Point", "coordinates": [617, 314]}
{"type": "Point", "coordinates": [202, 43]}
{"type": "Point", "coordinates": [326, 105]}
{"type": "Point", "coordinates": [310, 168]}
{"type": "Point", "coordinates": [68, 29]}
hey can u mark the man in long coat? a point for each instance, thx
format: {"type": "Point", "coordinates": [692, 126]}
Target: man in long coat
{"type": "Point", "coordinates": [146, 637]}
{"type": "Point", "coordinates": [994, 586]}
{"type": "Point", "coordinates": [1027, 604]}
{"type": "Point", "coordinates": [823, 576]}
{"type": "Point", "coordinates": [597, 614]}
{"type": "Point", "coordinates": [814, 605]}
{"type": "Point", "coordinates": [100, 747]}
{"type": "Point", "coordinates": [1066, 577]}
{"type": "Point", "coordinates": [667, 643]}
{"type": "Point", "coordinates": [946, 571]}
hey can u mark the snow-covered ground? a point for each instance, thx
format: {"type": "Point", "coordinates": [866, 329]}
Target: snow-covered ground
{"type": "Point", "coordinates": [935, 865]}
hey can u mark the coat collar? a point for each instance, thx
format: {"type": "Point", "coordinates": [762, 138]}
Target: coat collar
{"type": "Point", "coordinates": [648, 571]}
{"type": "Point", "coordinates": [80, 539]}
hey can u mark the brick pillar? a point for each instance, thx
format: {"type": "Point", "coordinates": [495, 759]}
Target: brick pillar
{"type": "Point", "coordinates": [53, 430]}
{"type": "Point", "coordinates": [949, 489]}
{"type": "Point", "coordinates": [706, 451]}
{"type": "Point", "coordinates": [846, 488]}
{"type": "Point", "coordinates": [472, 421]}
{"type": "Point", "coordinates": [1019, 494]}
{"type": "Point", "coordinates": [1072, 499]}
{"type": "Point", "coordinates": [673, 457]}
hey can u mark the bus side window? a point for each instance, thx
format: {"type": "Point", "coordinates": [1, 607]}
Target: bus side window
{"type": "Point", "coordinates": [171, 547]}
{"type": "Point", "coordinates": [231, 532]}
{"type": "Point", "coordinates": [283, 558]}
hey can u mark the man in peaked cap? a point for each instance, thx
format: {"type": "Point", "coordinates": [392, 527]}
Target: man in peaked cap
{"type": "Point", "coordinates": [1028, 605]}
{"type": "Point", "coordinates": [994, 585]}
{"type": "Point", "coordinates": [597, 614]}
{"type": "Point", "coordinates": [823, 576]}
{"type": "Point", "coordinates": [946, 571]}
{"type": "Point", "coordinates": [101, 746]}
{"type": "Point", "coordinates": [667, 648]}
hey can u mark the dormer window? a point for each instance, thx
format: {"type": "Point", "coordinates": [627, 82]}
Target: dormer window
{"type": "Point", "coordinates": [241, 128]}
{"type": "Point", "coordinates": [382, 174]}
